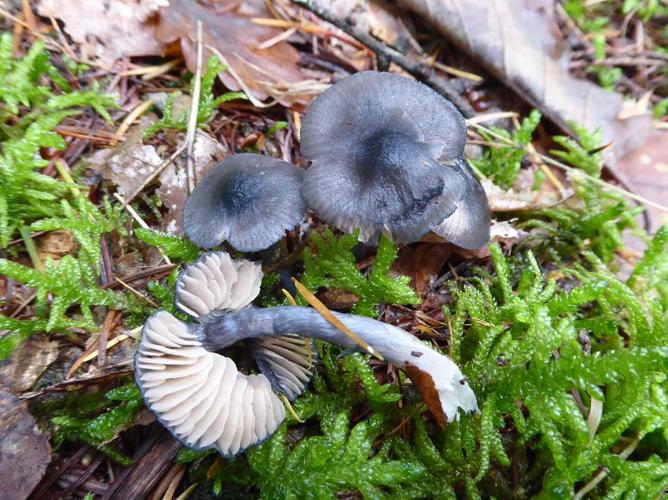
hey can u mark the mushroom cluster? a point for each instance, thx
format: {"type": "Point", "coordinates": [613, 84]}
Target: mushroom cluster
{"type": "Point", "coordinates": [201, 397]}
{"type": "Point", "coordinates": [386, 157]}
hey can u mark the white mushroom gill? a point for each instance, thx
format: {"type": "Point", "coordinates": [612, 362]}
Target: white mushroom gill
{"type": "Point", "coordinates": [216, 283]}
{"type": "Point", "coordinates": [200, 396]}
{"type": "Point", "coordinates": [287, 361]}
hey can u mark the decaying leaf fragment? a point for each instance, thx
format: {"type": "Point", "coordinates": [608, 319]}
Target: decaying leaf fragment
{"type": "Point", "coordinates": [27, 363]}
{"type": "Point", "coordinates": [517, 41]}
{"type": "Point", "coordinates": [227, 27]}
{"type": "Point", "coordinates": [24, 450]}
{"type": "Point", "coordinates": [108, 30]}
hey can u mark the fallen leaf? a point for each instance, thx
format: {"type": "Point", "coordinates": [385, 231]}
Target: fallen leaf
{"type": "Point", "coordinates": [108, 30]}
{"type": "Point", "coordinates": [273, 71]}
{"type": "Point", "coordinates": [423, 263]}
{"type": "Point", "coordinates": [24, 450]}
{"type": "Point", "coordinates": [338, 299]}
{"type": "Point", "coordinates": [510, 200]}
{"type": "Point", "coordinates": [173, 180]}
{"type": "Point", "coordinates": [424, 383]}
{"type": "Point", "coordinates": [56, 244]}
{"type": "Point", "coordinates": [646, 172]}
{"type": "Point", "coordinates": [516, 41]}
{"type": "Point", "coordinates": [28, 362]}
{"type": "Point", "coordinates": [131, 163]}
{"type": "Point", "coordinates": [129, 167]}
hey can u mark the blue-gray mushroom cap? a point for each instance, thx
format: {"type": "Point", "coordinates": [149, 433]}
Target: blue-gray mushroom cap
{"type": "Point", "coordinates": [384, 151]}
{"type": "Point", "coordinates": [249, 200]}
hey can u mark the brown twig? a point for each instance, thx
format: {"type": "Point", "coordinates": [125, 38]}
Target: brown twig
{"type": "Point", "coordinates": [191, 174]}
{"type": "Point", "coordinates": [418, 69]}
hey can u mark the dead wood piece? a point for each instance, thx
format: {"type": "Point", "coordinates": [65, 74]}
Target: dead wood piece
{"type": "Point", "coordinates": [151, 461]}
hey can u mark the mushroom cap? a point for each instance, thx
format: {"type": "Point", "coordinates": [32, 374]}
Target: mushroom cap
{"type": "Point", "coordinates": [200, 396]}
{"type": "Point", "coordinates": [468, 227]}
{"type": "Point", "coordinates": [248, 199]}
{"type": "Point", "coordinates": [287, 361]}
{"type": "Point", "coordinates": [376, 140]}
{"type": "Point", "coordinates": [216, 283]}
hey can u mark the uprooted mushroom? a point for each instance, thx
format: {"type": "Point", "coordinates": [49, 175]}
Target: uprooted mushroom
{"type": "Point", "coordinates": [387, 157]}
{"type": "Point", "coordinates": [206, 402]}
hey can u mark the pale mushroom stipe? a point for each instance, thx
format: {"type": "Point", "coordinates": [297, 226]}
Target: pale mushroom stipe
{"type": "Point", "coordinates": [249, 200]}
{"type": "Point", "coordinates": [203, 399]}
{"type": "Point", "coordinates": [387, 157]}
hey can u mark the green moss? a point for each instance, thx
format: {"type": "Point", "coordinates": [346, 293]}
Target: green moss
{"type": "Point", "coordinates": [330, 263]}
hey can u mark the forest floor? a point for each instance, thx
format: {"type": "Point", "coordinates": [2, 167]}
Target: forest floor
{"type": "Point", "coordinates": [560, 326]}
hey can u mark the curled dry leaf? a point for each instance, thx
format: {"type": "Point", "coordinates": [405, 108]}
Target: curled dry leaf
{"type": "Point", "coordinates": [24, 449]}
{"type": "Point", "coordinates": [423, 263]}
{"type": "Point", "coordinates": [517, 41]}
{"type": "Point", "coordinates": [109, 30]}
{"type": "Point", "coordinates": [28, 362]}
{"type": "Point", "coordinates": [272, 71]}
{"type": "Point", "coordinates": [646, 171]}
{"type": "Point", "coordinates": [510, 200]}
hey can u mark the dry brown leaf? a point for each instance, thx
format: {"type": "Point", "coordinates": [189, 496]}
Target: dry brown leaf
{"type": "Point", "coordinates": [108, 30]}
{"type": "Point", "coordinates": [423, 263]}
{"type": "Point", "coordinates": [518, 42]}
{"type": "Point", "coordinates": [646, 171]}
{"type": "Point", "coordinates": [24, 449]}
{"type": "Point", "coordinates": [56, 244]}
{"type": "Point", "coordinates": [273, 71]}
{"type": "Point", "coordinates": [28, 362]}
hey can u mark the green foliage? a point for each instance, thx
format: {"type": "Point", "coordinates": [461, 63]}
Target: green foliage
{"type": "Point", "coordinates": [503, 164]}
{"type": "Point", "coordinates": [582, 152]}
{"type": "Point", "coordinates": [523, 355]}
{"type": "Point", "coordinates": [207, 102]}
{"type": "Point", "coordinates": [30, 112]}
{"type": "Point", "coordinates": [87, 223]}
{"type": "Point", "coordinates": [174, 247]}
{"type": "Point", "coordinates": [331, 264]}
{"type": "Point", "coordinates": [36, 98]}
{"type": "Point", "coordinates": [72, 283]}
{"type": "Point", "coordinates": [99, 421]}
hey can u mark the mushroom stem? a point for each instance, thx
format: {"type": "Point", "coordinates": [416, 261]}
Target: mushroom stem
{"type": "Point", "coordinates": [442, 385]}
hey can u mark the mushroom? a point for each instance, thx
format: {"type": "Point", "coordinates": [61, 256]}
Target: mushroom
{"type": "Point", "coordinates": [387, 156]}
{"type": "Point", "coordinates": [201, 397]}
{"type": "Point", "coordinates": [248, 199]}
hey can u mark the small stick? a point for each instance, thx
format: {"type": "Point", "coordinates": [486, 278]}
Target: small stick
{"type": "Point", "coordinates": [139, 221]}
{"type": "Point", "coordinates": [104, 337]}
{"type": "Point", "coordinates": [327, 315]}
{"type": "Point", "coordinates": [192, 116]}
{"type": "Point", "coordinates": [417, 69]}
{"type": "Point", "coordinates": [31, 248]}
{"type": "Point", "coordinates": [131, 117]}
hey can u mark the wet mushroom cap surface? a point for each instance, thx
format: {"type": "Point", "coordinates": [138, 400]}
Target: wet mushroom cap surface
{"type": "Point", "coordinates": [383, 148]}
{"type": "Point", "coordinates": [249, 200]}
